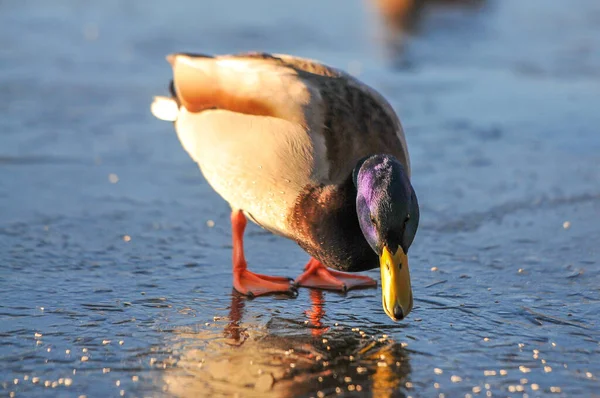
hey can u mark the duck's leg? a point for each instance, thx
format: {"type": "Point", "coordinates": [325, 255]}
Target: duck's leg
{"type": "Point", "coordinates": [247, 282]}
{"type": "Point", "coordinates": [316, 275]}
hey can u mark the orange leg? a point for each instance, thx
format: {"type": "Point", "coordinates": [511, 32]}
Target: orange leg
{"type": "Point", "coordinates": [316, 275]}
{"type": "Point", "coordinates": [247, 282]}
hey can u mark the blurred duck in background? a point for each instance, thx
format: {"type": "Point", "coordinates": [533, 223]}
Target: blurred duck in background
{"type": "Point", "coordinates": [402, 18]}
{"type": "Point", "coordinates": [405, 15]}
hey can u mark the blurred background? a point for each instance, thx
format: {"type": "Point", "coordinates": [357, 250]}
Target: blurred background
{"type": "Point", "coordinates": [115, 253]}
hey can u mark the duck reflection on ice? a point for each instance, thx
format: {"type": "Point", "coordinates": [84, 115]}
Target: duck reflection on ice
{"type": "Point", "coordinates": [316, 313]}
{"type": "Point", "coordinates": [287, 358]}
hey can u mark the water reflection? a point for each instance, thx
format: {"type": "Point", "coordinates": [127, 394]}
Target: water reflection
{"type": "Point", "coordinates": [286, 357]}
{"type": "Point", "coordinates": [316, 312]}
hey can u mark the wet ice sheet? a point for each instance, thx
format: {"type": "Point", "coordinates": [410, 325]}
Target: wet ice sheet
{"type": "Point", "coordinates": [481, 319]}
{"type": "Point", "coordinates": [115, 256]}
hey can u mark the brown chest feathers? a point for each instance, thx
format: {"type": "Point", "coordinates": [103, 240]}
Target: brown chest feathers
{"type": "Point", "coordinates": [325, 224]}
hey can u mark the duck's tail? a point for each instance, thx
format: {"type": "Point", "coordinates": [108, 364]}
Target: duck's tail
{"type": "Point", "coordinates": [165, 108]}
{"type": "Point", "coordinates": [254, 84]}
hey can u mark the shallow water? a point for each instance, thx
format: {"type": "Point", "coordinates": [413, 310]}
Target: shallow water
{"type": "Point", "coordinates": [115, 253]}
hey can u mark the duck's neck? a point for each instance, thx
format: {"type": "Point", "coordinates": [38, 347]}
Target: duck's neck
{"type": "Point", "coordinates": [325, 224]}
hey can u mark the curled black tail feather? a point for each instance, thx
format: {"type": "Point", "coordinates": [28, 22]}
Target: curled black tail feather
{"type": "Point", "coordinates": [174, 95]}
{"type": "Point", "coordinates": [173, 92]}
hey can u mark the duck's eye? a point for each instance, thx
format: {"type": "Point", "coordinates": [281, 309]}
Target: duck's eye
{"type": "Point", "coordinates": [407, 218]}
{"type": "Point", "coordinates": [373, 221]}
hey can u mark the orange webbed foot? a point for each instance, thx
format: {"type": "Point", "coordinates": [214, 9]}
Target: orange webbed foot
{"type": "Point", "coordinates": [253, 285]}
{"type": "Point", "coordinates": [245, 281]}
{"type": "Point", "coordinates": [317, 276]}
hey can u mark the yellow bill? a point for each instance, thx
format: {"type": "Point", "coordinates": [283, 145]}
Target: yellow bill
{"type": "Point", "coordinates": [396, 292]}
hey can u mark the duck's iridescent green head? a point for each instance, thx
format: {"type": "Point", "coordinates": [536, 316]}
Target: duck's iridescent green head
{"type": "Point", "coordinates": [388, 214]}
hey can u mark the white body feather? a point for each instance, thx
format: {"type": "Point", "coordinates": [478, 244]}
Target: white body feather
{"type": "Point", "coordinates": [267, 141]}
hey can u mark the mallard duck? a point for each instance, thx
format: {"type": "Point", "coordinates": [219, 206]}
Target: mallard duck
{"type": "Point", "coordinates": [307, 152]}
